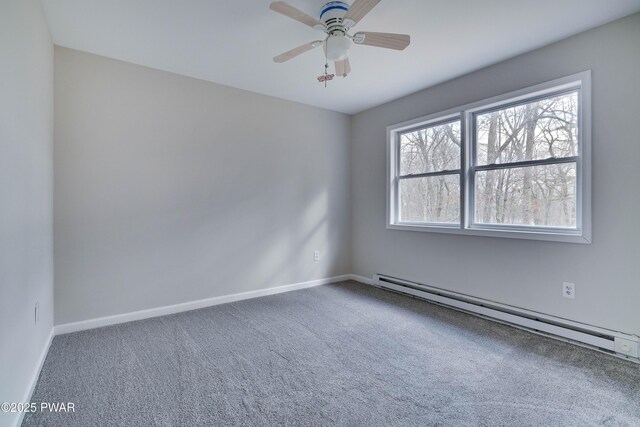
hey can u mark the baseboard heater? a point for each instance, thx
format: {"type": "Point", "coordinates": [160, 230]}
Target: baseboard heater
{"type": "Point", "coordinates": [612, 342]}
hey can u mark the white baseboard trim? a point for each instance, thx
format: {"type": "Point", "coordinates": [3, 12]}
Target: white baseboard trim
{"type": "Point", "coordinates": [361, 279]}
{"type": "Point", "coordinates": [191, 305]}
{"type": "Point", "coordinates": [35, 376]}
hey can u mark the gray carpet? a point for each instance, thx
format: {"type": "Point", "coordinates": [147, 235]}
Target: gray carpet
{"type": "Point", "coordinates": [345, 354]}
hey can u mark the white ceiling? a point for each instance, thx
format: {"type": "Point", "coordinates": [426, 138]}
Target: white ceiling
{"type": "Point", "coordinates": [232, 42]}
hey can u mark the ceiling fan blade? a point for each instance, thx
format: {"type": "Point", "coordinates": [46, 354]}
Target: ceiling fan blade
{"type": "Point", "coordinates": [290, 11]}
{"type": "Point", "coordinates": [342, 67]}
{"type": "Point", "coordinates": [297, 51]}
{"type": "Point", "coordinates": [357, 11]}
{"type": "Point", "coordinates": [386, 40]}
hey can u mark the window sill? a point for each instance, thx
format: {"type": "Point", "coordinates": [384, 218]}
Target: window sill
{"type": "Point", "coordinates": [569, 237]}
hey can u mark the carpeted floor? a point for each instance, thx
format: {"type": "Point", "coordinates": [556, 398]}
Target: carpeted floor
{"type": "Point", "coordinates": [344, 354]}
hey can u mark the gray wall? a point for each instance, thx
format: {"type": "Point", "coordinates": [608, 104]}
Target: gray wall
{"type": "Point", "coordinates": [523, 273]}
{"type": "Point", "coordinates": [170, 189]}
{"type": "Point", "coordinates": [26, 144]}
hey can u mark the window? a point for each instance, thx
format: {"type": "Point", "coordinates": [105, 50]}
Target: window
{"type": "Point", "coordinates": [429, 175]}
{"type": "Point", "coordinates": [516, 165]}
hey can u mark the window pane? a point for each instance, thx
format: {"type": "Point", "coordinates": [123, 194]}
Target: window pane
{"type": "Point", "coordinates": [430, 199]}
{"type": "Point", "coordinates": [431, 149]}
{"type": "Point", "coordinates": [532, 131]}
{"type": "Point", "coordinates": [536, 195]}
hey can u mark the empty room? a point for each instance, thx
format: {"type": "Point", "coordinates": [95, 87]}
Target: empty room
{"type": "Point", "coordinates": [314, 213]}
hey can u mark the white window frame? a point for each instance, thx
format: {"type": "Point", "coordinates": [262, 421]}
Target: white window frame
{"type": "Point", "coordinates": [580, 234]}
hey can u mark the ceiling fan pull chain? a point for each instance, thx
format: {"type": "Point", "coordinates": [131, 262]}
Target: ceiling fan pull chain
{"type": "Point", "coordinates": [326, 76]}
{"type": "Point", "coordinates": [326, 68]}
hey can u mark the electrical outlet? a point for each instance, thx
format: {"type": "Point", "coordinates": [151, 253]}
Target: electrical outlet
{"type": "Point", "coordinates": [569, 290]}
{"type": "Point", "coordinates": [316, 255]}
{"type": "Point", "coordinates": [36, 313]}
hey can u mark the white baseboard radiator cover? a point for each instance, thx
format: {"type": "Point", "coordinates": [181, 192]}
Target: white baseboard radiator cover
{"type": "Point", "coordinates": [615, 343]}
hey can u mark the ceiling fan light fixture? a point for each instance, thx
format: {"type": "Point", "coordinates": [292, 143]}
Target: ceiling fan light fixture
{"type": "Point", "coordinates": [337, 47]}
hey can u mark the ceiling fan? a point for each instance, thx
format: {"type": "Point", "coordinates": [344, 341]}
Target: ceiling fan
{"type": "Point", "coordinates": [336, 19]}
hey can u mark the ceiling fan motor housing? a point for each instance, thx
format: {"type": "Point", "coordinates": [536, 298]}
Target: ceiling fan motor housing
{"type": "Point", "coordinates": [336, 46]}
{"type": "Point", "coordinates": [332, 12]}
